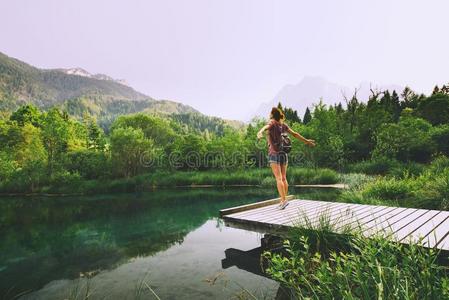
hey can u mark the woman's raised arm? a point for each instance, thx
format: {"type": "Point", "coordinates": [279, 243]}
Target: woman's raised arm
{"type": "Point", "coordinates": [301, 138]}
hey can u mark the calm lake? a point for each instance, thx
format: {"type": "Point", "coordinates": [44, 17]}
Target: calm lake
{"type": "Point", "coordinates": [116, 245]}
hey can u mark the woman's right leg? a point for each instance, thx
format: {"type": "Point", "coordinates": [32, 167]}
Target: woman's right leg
{"type": "Point", "coordinates": [276, 168]}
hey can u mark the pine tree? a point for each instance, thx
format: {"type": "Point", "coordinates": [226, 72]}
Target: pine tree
{"type": "Point", "coordinates": [307, 116]}
{"type": "Point", "coordinates": [395, 106]}
{"type": "Point", "coordinates": [291, 115]}
{"type": "Point", "coordinates": [436, 90]}
{"type": "Point", "coordinates": [445, 89]}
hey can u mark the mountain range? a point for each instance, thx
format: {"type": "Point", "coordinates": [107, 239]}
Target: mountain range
{"type": "Point", "coordinates": [79, 92]}
{"type": "Point", "coordinates": [311, 89]}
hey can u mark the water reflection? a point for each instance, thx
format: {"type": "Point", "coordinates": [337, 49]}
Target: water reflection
{"type": "Point", "coordinates": [45, 243]}
{"type": "Point", "coordinates": [252, 261]}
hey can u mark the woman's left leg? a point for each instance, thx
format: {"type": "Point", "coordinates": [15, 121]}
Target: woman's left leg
{"type": "Point", "coordinates": [284, 178]}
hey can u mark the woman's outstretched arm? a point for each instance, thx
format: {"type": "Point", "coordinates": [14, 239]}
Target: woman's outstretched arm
{"type": "Point", "coordinates": [261, 131]}
{"type": "Point", "coordinates": [301, 138]}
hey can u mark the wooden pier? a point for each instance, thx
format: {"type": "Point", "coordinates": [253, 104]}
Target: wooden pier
{"type": "Point", "coordinates": [430, 228]}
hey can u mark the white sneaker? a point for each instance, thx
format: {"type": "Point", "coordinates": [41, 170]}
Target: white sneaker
{"type": "Point", "coordinates": [284, 205]}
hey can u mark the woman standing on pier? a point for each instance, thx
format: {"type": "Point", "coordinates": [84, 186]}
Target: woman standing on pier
{"type": "Point", "coordinates": [277, 157]}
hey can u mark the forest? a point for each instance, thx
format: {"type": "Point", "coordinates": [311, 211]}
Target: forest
{"type": "Point", "coordinates": [391, 134]}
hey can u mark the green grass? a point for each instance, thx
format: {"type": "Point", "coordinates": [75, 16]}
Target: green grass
{"type": "Point", "coordinates": [427, 189]}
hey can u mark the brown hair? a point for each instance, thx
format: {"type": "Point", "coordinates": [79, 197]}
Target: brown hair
{"type": "Point", "coordinates": [277, 114]}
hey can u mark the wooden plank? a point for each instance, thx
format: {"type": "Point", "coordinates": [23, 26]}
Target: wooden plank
{"type": "Point", "coordinates": [280, 213]}
{"type": "Point", "coordinates": [443, 244]}
{"type": "Point", "coordinates": [295, 210]}
{"type": "Point", "coordinates": [426, 229]}
{"type": "Point", "coordinates": [357, 214]}
{"type": "Point", "coordinates": [437, 235]}
{"type": "Point", "coordinates": [407, 230]}
{"type": "Point", "coordinates": [235, 209]}
{"type": "Point", "coordinates": [314, 216]}
{"type": "Point", "coordinates": [406, 221]}
{"type": "Point", "coordinates": [363, 217]}
{"type": "Point", "coordinates": [383, 223]}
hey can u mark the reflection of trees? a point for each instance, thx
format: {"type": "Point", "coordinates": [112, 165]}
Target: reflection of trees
{"type": "Point", "coordinates": [59, 238]}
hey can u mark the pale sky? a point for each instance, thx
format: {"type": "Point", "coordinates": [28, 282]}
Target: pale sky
{"type": "Point", "coordinates": [226, 57]}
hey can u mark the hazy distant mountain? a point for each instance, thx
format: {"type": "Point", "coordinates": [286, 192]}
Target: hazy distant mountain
{"type": "Point", "coordinates": [310, 90]}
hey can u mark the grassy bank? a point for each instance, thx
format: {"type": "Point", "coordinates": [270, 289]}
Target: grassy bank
{"type": "Point", "coordinates": [159, 179]}
{"type": "Point", "coordinates": [428, 188]}
{"type": "Point", "coordinates": [317, 264]}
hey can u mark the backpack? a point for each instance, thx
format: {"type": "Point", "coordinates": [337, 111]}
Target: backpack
{"type": "Point", "coordinates": [284, 144]}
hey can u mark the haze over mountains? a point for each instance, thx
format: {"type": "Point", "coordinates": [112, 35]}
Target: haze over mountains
{"type": "Point", "coordinates": [311, 89]}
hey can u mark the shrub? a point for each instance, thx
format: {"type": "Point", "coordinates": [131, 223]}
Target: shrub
{"type": "Point", "coordinates": [355, 180]}
{"type": "Point", "coordinates": [434, 191]}
{"type": "Point", "coordinates": [326, 176]}
{"type": "Point", "coordinates": [374, 268]}
{"type": "Point", "coordinates": [312, 176]}
{"type": "Point", "coordinates": [268, 181]}
{"type": "Point", "coordinates": [377, 166]}
{"type": "Point", "coordinates": [389, 189]}
{"type": "Point", "coordinates": [89, 164]}
{"type": "Point", "coordinates": [65, 182]}
{"type": "Point", "coordinates": [440, 136]}
{"type": "Point", "coordinates": [408, 169]}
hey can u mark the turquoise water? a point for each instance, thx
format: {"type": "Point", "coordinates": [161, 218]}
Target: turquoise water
{"type": "Point", "coordinates": [113, 246]}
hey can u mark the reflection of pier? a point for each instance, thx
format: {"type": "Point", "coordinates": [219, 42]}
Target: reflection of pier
{"type": "Point", "coordinates": [251, 260]}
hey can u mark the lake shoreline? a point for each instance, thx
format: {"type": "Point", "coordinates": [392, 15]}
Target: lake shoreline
{"type": "Point", "coordinates": [312, 186]}
{"type": "Point", "coordinates": [72, 185]}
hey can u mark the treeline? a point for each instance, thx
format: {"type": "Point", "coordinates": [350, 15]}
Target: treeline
{"type": "Point", "coordinates": [48, 148]}
{"type": "Point", "coordinates": [40, 149]}
{"type": "Point", "coordinates": [388, 128]}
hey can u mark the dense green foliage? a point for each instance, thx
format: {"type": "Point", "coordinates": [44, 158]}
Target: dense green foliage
{"type": "Point", "coordinates": [388, 135]}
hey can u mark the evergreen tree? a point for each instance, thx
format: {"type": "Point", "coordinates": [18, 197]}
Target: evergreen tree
{"type": "Point", "coordinates": [436, 90]}
{"type": "Point", "coordinates": [445, 89]}
{"type": "Point", "coordinates": [307, 116]}
{"type": "Point", "coordinates": [280, 106]}
{"type": "Point", "coordinates": [395, 106]}
{"type": "Point", "coordinates": [407, 98]}
{"type": "Point", "coordinates": [27, 114]}
{"type": "Point", "coordinates": [291, 115]}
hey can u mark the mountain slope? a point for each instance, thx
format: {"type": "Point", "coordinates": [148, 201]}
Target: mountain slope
{"type": "Point", "coordinates": [22, 83]}
{"type": "Point", "coordinates": [79, 93]}
{"type": "Point", "coordinates": [75, 90]}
